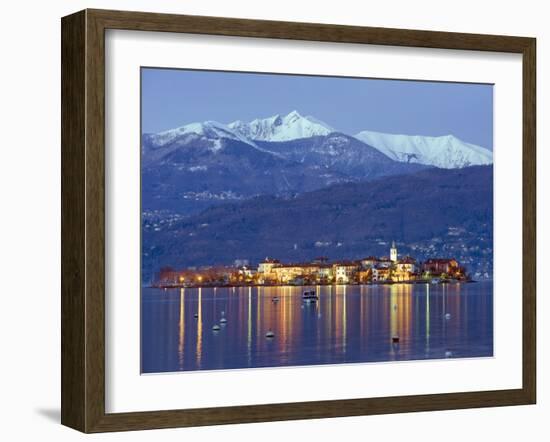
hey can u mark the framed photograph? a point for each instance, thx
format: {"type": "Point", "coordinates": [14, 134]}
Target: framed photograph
{"type": "Point", "coordinates": [269, 220]}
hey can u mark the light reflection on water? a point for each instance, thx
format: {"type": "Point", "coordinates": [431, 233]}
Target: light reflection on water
{"type": "Point", "coordinates": [347, 324]}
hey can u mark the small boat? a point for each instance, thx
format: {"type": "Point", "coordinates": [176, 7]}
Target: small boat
{"type": "Point", "coordinates": [196, 315]}
{"type": "Point", "coordinates": [395, 339]}
{"type": "Point", "coordinates": [435, 281]}
{"type": "Point", "coordinates": [223, 321]}
{"type": "Point", "coordinates": [216, 327]}
{"type": "Point", "coordinates": [447, 316]}
{"type": "Point", "coordinates": [275, 299]}
{"type": "Point", "coordinates": [270, 334]}
{"type": "Point", "coordinates": [310, 296]}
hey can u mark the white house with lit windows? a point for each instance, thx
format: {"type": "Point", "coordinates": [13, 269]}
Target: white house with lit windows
{"type": "Point", "coordinates": [344, 271]}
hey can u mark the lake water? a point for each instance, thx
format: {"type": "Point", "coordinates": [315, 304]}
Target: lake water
{"type": "Point", "coordinates": [348, 324]}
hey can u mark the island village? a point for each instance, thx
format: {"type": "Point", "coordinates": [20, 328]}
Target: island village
{"type": "Point", "coordinates": [272, 272]}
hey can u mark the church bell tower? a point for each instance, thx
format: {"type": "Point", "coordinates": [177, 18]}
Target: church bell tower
{"type": "Point", "coordinates": [393, 252]}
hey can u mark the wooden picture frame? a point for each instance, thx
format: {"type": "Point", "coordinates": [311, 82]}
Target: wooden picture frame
{"type": "Point", "coordinates": [83, 220]}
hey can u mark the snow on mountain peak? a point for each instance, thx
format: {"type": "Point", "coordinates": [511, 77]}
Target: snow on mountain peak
{"type": "Point", "coordinates": [292, 116]}
{"type": "Point", "coordinates": [281, 128]}
{"type": "Point", "coordinates": [207, 129]}
{"type": "Point", "coordinates": [447, 152]}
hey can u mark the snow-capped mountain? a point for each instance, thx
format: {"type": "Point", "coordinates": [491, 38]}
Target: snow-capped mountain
{"type": "Point", "coordinates": [281, 128]}
{"type": "Point", "coordinates": [447, 152]}
{"type": "Point", "coordinates": [198, 164]}
{"type": "Point", "coordinates": [211, 130]}
{"type": "Point", "coordinates": [191, 167]}
{"type": "Point", "coordinates": [341, 153]}
{"type": "Point", "coordinates": [194, 137]}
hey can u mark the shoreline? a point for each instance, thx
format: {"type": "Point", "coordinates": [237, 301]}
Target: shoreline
{"type": "Point", "coordinates": [382, 283]}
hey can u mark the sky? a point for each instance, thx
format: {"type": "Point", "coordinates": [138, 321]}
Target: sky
{"type": "Point", "coordinates": [175, 97]}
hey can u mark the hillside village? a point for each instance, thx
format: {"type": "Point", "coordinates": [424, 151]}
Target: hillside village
{"type": "Point", "coordinates": [369, 270]}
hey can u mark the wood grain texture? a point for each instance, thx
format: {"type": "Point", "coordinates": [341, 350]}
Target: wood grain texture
{"type": "Point", "coordinates": [145, 21]}
{"type": "Point", "coordinates": [83, 220]}
{"type": "Point", "coordinates": [73, 257]}
{"type": "Point", "coordinates": [95, 221]}
{"type": "Point", "coordinates": [529, 221]}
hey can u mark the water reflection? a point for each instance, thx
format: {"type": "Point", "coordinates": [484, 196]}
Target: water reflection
{"type": "Point", "coordinates": [199, 329]}
{"type": "Point", "coordinates": [181, 341]}
{"type": "Point", "coordinates": [249, 337]}
{"type": "Point", "coordinates": [347, 324]}
{"type": "Point", "coordinates": [427, 320]}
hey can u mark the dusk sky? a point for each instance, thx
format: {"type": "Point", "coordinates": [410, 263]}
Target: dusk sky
{"type": "Point", "coordinates": [175, 97]}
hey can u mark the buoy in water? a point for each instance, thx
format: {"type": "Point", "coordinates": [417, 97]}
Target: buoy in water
{"type": "Point", "coordinates": [448, 354]}
{"type": "Point", "coordinates": [395, 339]}
{"type": "Point", "coordinates": [447, 316]}
{"type": "Point", "coordinates": [270, 334]}
{"type": "Point", "coordinates": [216, 327]}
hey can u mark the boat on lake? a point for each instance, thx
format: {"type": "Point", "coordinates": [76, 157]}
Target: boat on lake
{"type": "Point", "coordinates": [310, 296]}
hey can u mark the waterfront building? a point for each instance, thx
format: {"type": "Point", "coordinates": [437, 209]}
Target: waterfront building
{"type": "Point", "coordinates": [265, 270]}
{"type": "Point", "coordinates": [438, 266]}
{"type": "Point", "coordinates": [288, 272]}
{"type": "Point", "coordinates": [267, 265]}
{"type": "Point", "coordinates": [318, 271]}
{"type": "Point", "coordinates": [404, 269]}
{"type": "Point", "coordinates": [344, 271]}
{"type": "Point", "coordinates": [325, 273]}
{"type": "Point", "coordinates": [365, 275]}
{"type": "Point", "coordinates": [247, 272]}
{"type": "Point", "coordinates": [381, 274]}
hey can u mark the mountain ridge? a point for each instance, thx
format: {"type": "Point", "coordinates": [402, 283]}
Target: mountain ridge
{"type": "Point", "coordinates": [187, 168]}
{"type": "Point", "coordinates": [282, 128]}
{"type": "Point", "coordinates": [345, 220]}
{"type": "Point", "coordinates": [448, 152]}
